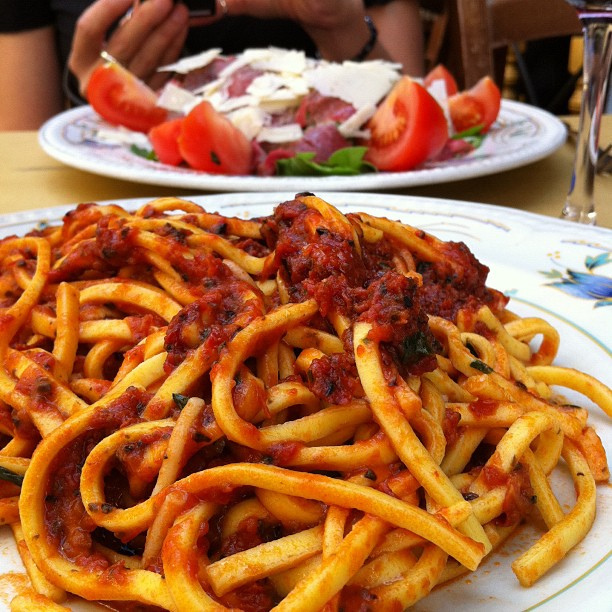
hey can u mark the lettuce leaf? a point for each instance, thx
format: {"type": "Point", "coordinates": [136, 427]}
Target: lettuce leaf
{"type": "Point", "coordinates": [472, 135]}
{"type": "Point", "coordinates": [348, 161]}
{"type": "Point", "coordinates": [146, 153]}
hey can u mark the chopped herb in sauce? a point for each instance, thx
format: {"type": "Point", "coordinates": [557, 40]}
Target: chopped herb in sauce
{"type": "Point", "coordinates": [10, 476]}
{"type": "Point", "coordinates": [415, 347]}
{"type": "Point", "coordinates": [481, 366]}
{"type": "Point", "coordinates": [180, 400]}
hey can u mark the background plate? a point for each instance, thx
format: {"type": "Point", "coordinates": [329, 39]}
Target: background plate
{"type": "Point", "coordinates": [522, 134]}
{"type": "Point", "coordinates": [526, 254]}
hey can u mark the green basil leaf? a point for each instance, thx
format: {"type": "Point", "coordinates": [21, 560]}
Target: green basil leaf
{"type": "Point", "coordinates": [146, 153]}
{"type": "Point", "coordinates": [473, 131]}
{"type": "Point", "coordinates": [415, 347]}
{"type": "Point", "coordinates": [481, 366]}
{"type": "Point", "coordinates": [347, 162]}
{"type": "Point", "coordinates": [180, 400]}
{"type": "Point", "coordinates": [472, 135]}
{"type": "Point", "coordinates": [10, 476]}
{"type": "Point", "coordinates": [300, 164]}
{"type": "Point", "coordinates": [351, 157]}
{"type": "Point", "coordinates": [475, 141]}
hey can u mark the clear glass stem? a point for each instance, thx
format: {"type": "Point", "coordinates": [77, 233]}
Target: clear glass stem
{"type": "Point", "coordinates": [580, 203]}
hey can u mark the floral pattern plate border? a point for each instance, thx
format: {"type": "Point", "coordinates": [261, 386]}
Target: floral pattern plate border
{"type": "Point", "coordinates": [522, 134]}
{"type": "Point", "coordinates": [551, 269]}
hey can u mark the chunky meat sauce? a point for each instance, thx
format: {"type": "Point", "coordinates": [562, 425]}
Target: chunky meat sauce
{"type": "Point", "coordinates": [317, 260]}
{"type": "Point", "coordinates": [456, 282]}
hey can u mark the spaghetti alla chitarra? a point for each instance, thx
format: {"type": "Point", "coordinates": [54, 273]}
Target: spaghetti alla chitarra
{"type": "Point", "coordinates": [307, 411]}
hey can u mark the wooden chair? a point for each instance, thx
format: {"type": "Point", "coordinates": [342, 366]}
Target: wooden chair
{"type": "Point", "coordinates": [477, 33]}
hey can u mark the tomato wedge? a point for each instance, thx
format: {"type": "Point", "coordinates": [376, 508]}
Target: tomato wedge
{"type": "Point", "coordinates": [441, 73]}
{"type": "Point", "coordinates": [476, 106]}
{"type": "Point", "coordinates": [123, 99]}
{"type": "Point", "coordinates": [408, 128]}
{"type": "Point", "coordinates": [164, 139]}
{"type": "Point", "coordinates": [210, 142]}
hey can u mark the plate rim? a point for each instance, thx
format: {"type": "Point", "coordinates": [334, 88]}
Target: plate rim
{"type": "Point", "coordinates": [459, 207]}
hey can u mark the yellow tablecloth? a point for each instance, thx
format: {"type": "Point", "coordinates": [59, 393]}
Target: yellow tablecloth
{"type": "Point", "coordinates": [29, 179]}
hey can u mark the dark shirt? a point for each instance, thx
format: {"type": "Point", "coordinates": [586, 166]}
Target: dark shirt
{"type": "Point", "coordinates": [231, 34]}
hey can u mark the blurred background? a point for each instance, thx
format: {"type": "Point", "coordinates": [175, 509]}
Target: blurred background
{"type": "Point", "coordinates": [532, 47]}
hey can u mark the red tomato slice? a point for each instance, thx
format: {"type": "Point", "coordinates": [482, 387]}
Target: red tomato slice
{"type": "Point", "coordinates": [408, 128]}
{"type": "Point", "coordinates": [210, 142]}
{"type": "Point", "coordinates": [123, 99]}
{"type": "Point", "coordinates": [164, 138]}
{"type": "Point", "coordinates": [476, 106]}
{"type": "Point", "coordinates": [441, 73]}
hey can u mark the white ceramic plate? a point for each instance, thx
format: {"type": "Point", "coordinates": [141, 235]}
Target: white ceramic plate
{"type": "Point", "coordinates": [538, 261]}
{"type": "Point", "coordinates": [523, 134]}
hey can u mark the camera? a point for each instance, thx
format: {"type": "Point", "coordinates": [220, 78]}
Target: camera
{"type": "Point", "coordinates": [200, 8]}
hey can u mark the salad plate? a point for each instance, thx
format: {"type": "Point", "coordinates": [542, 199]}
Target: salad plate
{"type": "Point", "coordinates": [78, 137]}
{"type": "Point", "coordinates": [551, 269]}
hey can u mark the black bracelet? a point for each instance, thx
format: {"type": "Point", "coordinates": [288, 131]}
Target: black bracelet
{"type": "Point", "coordinates": [367, 48]}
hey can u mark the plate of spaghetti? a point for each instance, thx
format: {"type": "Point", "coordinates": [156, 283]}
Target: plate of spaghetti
{"type": "Point", "coordinates": [280, 401]}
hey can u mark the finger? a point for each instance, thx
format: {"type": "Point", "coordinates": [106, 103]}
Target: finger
{"type": "Point", "coordinates": [265, 9]}
{"type": "Point", "coordinates": [126, 42]}
{"type": "Point", "coordinates": [90, 33]}
{"type": "Point", "coordinates": [172, 53]}
{"type": "Point", "coordinates": [163, 45]}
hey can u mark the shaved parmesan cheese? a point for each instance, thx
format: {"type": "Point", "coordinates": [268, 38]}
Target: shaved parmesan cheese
{"type": "Point", "coordinates": [122, 136]}
{"type": "Point", "coordinates": [356, 83]}
{"type": "Point", "coordinates": [296, 83]}
{"type": "Point", "coordinates": [280, 133]}
{"type": "Point", "coordinates": [187, 64]}
{"type": "Point", "coordinates": [279, 101]}
{"type": "Point", "coordinates": [216, 99]}
{"type": "Point", "coordinates": [230, 104]}
{"type": "Point", "coordinates": [177, 99]}
{"type": "Point", "coordinates": [265, 85]}
{"type": "Point", "coordinates": [278, 91]}
{"type": "Point", "coordinates": [437, 89]}
{"type": "Point", "coordinates": [210, 88]}
{"type": "Point", "coordinates": [249, 120]}
{"type": "Point", "coordinates": [350, 128]}
{"type": "Point", "coordinates": [282, 60]}
{"type": "Point", "coordinates": [246, 58]}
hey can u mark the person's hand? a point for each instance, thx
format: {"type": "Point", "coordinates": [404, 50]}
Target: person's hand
{"type": "Point", "coordinates": [308, 13]}
{"type": "Point", "coordinates": [337, 28]}
{"type": "Point", "coordinates": [151, 36]}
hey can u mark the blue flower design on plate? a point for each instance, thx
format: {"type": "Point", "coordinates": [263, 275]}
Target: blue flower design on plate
{"type": "Point", "coordinates": [585, 285]}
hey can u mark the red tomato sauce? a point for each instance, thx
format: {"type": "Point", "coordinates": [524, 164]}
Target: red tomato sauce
{"type": "Point", "coordinates": [450, 426]}
{"type": "Point", "coordinates": [519, 499]}
{"type": "Point", "coordinates": [212, 320]}
{"type": "Point", "coordinates": [357, 599]}
{"type": "Point", "coordinates": [69, 526]}
{"type": "Point", "coordinates": [39, 390]}
{"type": "Point", "coordinates": [483, 407]}
{"type": "Point", "coordinates": [449, 287]}
{"type": "Point", "coordinates": [258, 596]}
{"type": "Point", "coordinates": [334, 378]}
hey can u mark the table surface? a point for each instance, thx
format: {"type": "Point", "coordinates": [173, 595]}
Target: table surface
{"type": "Point", "coordinates": [30, 179]}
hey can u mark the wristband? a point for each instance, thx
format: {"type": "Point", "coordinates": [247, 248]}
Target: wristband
{"type": "Point", "coordinates": [367, 48]}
